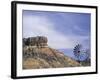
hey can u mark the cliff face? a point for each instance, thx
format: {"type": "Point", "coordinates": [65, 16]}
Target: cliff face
{"type": "Point", "coordinates": [37, 54]}
{"type": "Point", "coordinates": [39, 41]}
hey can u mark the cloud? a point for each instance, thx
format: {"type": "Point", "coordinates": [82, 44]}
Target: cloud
{"type": "Point", "coordinates": [35, 25]}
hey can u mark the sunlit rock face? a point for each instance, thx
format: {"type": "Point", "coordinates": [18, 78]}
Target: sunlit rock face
{"type": "Point", "coordinates": [38, 54]}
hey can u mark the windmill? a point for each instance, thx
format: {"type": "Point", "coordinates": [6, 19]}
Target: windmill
{"type": "Point", "coordinates": [80, 54]}
{"type": "Point", "coordinates": [77, 51]}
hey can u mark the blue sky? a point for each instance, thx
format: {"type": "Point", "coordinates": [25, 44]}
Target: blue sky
{"type": "Point", "coordinates": [63, 29]}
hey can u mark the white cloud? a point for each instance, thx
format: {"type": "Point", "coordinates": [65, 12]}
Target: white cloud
{"type": "Point", "coordinates": [42, 26]}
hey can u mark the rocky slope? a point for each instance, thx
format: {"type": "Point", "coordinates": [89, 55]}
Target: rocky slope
{"type": "Point", "coordinates": [37, 54]}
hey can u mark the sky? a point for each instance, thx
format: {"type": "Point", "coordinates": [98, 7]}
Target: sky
{"type": "Point", "coordinates": [63, 29]}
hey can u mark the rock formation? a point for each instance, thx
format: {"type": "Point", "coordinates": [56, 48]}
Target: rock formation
{"type": "Point", "coordinates": [37, 54]}
{"type": "Point", "coordinates": [39, 41]}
